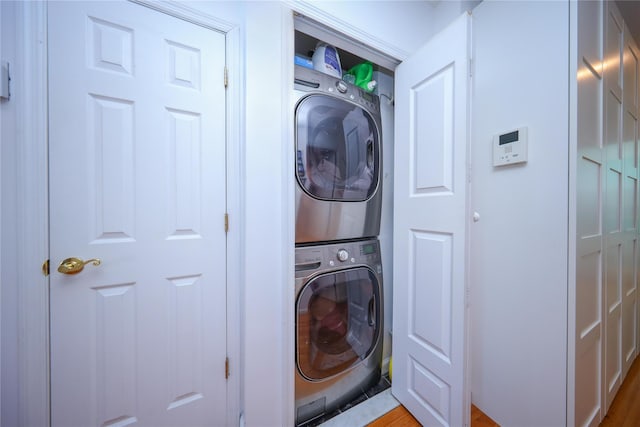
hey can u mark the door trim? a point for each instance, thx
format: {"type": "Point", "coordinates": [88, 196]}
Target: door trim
{"type": "Point", "coordinates": [30, 241]}
{"type": "Point", "coordinates": [235, 126]}
{"type": "Point", "coordinates": [186, 13]}
{"type": "Point", "coordinates": [31, 210]}
{"type": "Point", "coordinates": [572, 245]}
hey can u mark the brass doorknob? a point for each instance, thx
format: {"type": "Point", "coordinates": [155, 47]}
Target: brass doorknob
{"type": "Point", "coordinates": [75, 265]}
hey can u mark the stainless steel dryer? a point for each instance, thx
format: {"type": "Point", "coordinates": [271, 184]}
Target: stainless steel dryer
{"type": "Point", "coordinates": [338, 159]}
{"type": "Point", "coordinates": [338, 324]}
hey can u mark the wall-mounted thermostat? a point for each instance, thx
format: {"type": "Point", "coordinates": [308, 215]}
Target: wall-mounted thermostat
{"type": "Point", "coordinates": [510, 148]}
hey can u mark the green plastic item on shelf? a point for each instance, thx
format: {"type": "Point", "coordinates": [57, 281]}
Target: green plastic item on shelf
{"type": "Point", "coordinates": [363, 74]}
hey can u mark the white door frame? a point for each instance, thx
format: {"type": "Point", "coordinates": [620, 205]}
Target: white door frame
{"type": "Point", "coordinates": [30, 241]}
{"type": "Point", "coordinates": [30, 83]}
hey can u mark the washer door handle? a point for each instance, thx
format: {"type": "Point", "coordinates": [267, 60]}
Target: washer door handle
{"type": "Point", "coordinates": [372, 312]}
{"type": "Point", "coordinates": [308, 266]}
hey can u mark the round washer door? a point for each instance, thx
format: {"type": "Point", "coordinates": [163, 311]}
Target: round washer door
{"type": "Point", "coordinates": [337, 149]}
{"type": "Point", "coordinates": [336, 322]}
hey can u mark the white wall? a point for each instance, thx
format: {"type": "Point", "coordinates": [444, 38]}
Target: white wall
{"type": "Point", "coordinates": [23, 343]}
{"type": "Point", "coordinates": [385, 89]}
{"type": "Point", "coordinates": [24, 238]}
{"type": "Point", "coordinates": [268, 223]}
{"type": "Point", "coordinates": [519, 247]}
{"type": "Point", "coordinates": [444, 12]}
{"type": "Point", "coordinates": [380, 24]}
{"type": "Point", "coordinates": [265, 220]}
{"type": "Point", "coordinates": [8, 291]}
{"type": "Point", "coordinates": [228, 10]}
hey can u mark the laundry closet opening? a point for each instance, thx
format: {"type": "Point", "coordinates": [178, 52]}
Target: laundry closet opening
{"type": "Point", "coordinates": [344, 132]}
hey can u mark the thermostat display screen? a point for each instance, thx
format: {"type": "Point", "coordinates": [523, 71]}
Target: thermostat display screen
{"type": "Point", "coordinates": [510, 147]}
{"type": "Point", "coordinates": [508, 137]}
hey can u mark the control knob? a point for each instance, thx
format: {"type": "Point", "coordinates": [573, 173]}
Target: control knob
{"type": "Point", "coordinates": [343, 255]}
{"type": "Point", "coordinates": [341, 86]}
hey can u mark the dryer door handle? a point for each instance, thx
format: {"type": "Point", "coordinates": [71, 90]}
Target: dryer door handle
{"type": "Point", "coordinates": [308, 266]}
{"type": "Point", "coordinates": [371, 315]}
{"type": "Point", "coordinates": [370, 155]}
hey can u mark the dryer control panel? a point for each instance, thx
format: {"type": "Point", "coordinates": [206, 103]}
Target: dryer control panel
{"type": "Point", "coordinates": [307, 80]}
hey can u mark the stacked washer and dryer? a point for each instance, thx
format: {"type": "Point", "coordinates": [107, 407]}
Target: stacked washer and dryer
{"type": "Point", "coordinates": [338, 264]}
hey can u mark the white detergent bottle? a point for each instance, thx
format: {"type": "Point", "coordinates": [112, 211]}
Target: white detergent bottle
{"type": "Point", "coordinates": [326, 59]}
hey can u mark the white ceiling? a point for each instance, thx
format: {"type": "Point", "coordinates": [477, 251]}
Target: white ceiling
{"type": "Point", "coordinates": [630, 10]}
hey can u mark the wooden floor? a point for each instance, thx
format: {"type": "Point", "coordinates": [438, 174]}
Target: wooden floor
{"type": "Point", "coordinates": [624, 411]}
{"type": "Point", "coordinates": [400, 417]}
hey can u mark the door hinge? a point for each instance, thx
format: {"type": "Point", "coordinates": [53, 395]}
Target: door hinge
{"type": "Point", "coordinates": [5, 80]}
{"type": "Point", "coordinates": [226, 222]}
{"type": "Point", "coordinates": [45, 268]}
{"type": "Point", "coordinates": [226, 77]}
{"type": "Point", "coordinates": [226, 368]}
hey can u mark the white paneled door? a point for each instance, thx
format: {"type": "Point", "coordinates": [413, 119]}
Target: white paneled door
{"type": "Point", "coordinates": [631, 66]}
{"type": "Point", "coordinates": [430, 229]}
{"type": "Point", "coordinates": [137, 180]}
{"type": "Point", "coordinates": [591, 163]}
{"type": "Point", "coordinates": [614, 236]}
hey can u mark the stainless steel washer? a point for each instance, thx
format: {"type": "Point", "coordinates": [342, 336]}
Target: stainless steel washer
{"type": "Point", "coordinates": [338, 159]}
{"type": "Point", "coordinates": [338, 324]}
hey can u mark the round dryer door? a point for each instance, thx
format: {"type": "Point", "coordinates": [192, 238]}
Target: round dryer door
{"type": "Point", "coordinates": [338, 152]}
{"type": "Point", "coordinates": [337, 322]}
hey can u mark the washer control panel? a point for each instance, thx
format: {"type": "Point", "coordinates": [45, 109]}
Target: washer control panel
{"type": "Point", "coordinates": [334, 255]}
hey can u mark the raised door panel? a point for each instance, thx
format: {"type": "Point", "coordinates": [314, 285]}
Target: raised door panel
{"type": "Point", "coordinates": [110, 165]}
{"type": "Point", "coordinates": [589, 336]}
{"type": "Point", "coordinates": [613, 331]}
{"type": "Point", "coordinates": [629, 302]}
{"type": "Point", "coordinates": [631, 72]}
